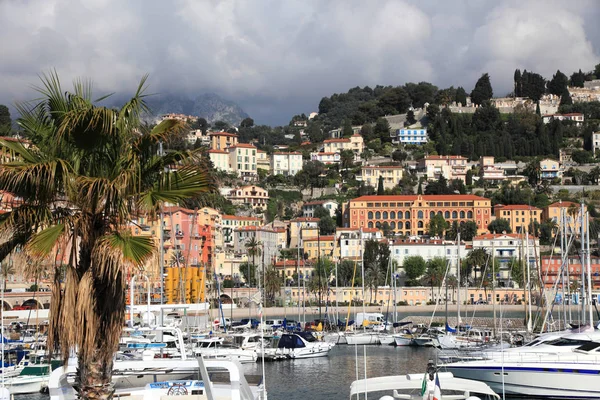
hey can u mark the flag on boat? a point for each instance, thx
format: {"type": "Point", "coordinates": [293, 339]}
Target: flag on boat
{"type": "Point", "coordinates": [424, 385]}
{"type": "Point", "coordinates": [437, 391]}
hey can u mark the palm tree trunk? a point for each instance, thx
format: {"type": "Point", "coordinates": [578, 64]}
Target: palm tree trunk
{"type": "Point", "coordinates": [94, 377]}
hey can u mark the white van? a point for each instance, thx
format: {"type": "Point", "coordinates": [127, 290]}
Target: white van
{"type": "Point", "coordinates": [273, 324]}
{"type": "Point", "coordinates": [369, 319]}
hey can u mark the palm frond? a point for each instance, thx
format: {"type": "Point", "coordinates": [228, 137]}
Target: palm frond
{"type": "Point", "coordinates": [44, 241]}
{"type": "Point", "coordinates": [136, 250]}
{"type": "Point", "coordinates": [35, 181]}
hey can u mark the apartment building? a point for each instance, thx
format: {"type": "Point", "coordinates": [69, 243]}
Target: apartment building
{"type": "Point", "coordinates": [354, 143]}
{"type": "Point", "coordinates": [301, 228]}
{"type": "Point", "coordinates": [251, 196]}
{"type": "Point", "coordinates": [410, 214]}
{"type": "Point", "coordinates": [551, 272]}
{"type": "Point", "coordinates": [242, 161]}
{"type": "Point", "coordinates": [326, 158]}
{"type": "Point", "coordinates": [578, 118]}
{"type": "Point", "coordinates": [231, 222]}
{"type": "Point", "coordinates": [450, 167]}
{"type": "Point", "coordinates": [550, 169]}
{"type": "Point", "coordinates": [287, 164]}
{"type": "Point", "coordinates": [308, 208]}
{"type": "Point", "coordinates": [324, 245]}
{"type": "Point", "coordinates": [428, 249]}
{"type": "Point", "coordinates": [416, 136]}
{"type": "Point", "coordinates": [392, 175]}
{"type": "Point", "coordinates": [519, 216]}
{"type": "Point", "coordinates": [572, 214]}
{"type": "Point", "coordinates": [263, 161]}
{"type": "Point", "coordinates": [222, 140]}
{"type": "Point", "coordinates": [220, 159]}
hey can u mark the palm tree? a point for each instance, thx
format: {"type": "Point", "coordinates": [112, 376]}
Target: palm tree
{"type": "Point", "coordinates": [434, 275]}
{"type": "Point", "coordinates": [272, 283]}
{"type": "Point", "coordinates": [88, 171]}
{"type": "Point", "coordinates": [477, 258]}
{"type": "Point", "coordinates": [6, 268]}
{"type": "Point", "coordinates": [254, 249]}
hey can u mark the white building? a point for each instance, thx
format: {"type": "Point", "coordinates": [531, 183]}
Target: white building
{"type": "Point", "coordinates": [220, 159]}
{"type": "Point", "coordinates": [268, 238]}
{"type": "Point", "coordinates": [392, 175]}
{"type": "Point", "coordinates": [326, 157]}
{"type": "Point", "coordinates": [578, 118]}
{"type": "Point", "coordinates": [411, 136]}
{"type": "Point", "coordinates": [251, 195]}
{"type": "Point", "coordinates": [308, 208]}
{"type": "Point", "coordinates": [428, 249]}
{"type": "Point", "coordinates": [595, 142]}
{"type": "Point", "coordinates": [287, 164]}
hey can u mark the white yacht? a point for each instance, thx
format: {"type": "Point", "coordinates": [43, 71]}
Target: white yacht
{"type": "Point", "coordinates": [152, 380]}
{"type": "Point", "coordinates": [441, 385]}
{"type": "Point", "coordinates": [362, 338]}
{"type": "Point", "coordinates": [298, 345]}
{"type": "Point", "coordinates": [564, 374]}
{"type": "Point", "coordinates": [215, 348]}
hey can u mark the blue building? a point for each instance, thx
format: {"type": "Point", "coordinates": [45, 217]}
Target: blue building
{"type": "Point", "coordinates": [411, 136]}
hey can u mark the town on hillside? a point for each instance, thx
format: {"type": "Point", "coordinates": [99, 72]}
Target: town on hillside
{"type": "Point", "coordinates": [447, 188]}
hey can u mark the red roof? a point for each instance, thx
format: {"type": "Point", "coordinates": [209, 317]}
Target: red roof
{"type": "Point", "coordinates": [564, 204]}
{"type": "Point", "coordinates": [218, 151]}
{"type": "Point", "coordinates": [516, 207]}
{"type": "Point", "coordinates": [445, 158]}
{"type": "Point", "coordinates": [326, 153]}
{"type": "Point", "coordinates": [383, 167]}
{"type": "Point", "coordinates": [488, 236]}
{"type": "Point", "coordinates": [289, 263]}
{"type": "Point", "coordinates": [426, 197]}
{"type": "Point", "coordinates": [247, 228]}
{"type": "Point", "coordinates": [283, 153]}
{"type": "Point", "coordinates": [356, 135]}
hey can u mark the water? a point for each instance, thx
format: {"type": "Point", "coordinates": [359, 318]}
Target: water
{"type": "Point", "coordinates": [330, 377]}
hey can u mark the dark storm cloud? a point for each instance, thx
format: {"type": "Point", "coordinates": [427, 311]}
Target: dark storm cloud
{"type": "Point", "coordinates": [277, 58]}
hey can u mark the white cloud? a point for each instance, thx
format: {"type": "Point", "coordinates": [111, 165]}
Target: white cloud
{"type": "Point", "coordinates": [276, 58]}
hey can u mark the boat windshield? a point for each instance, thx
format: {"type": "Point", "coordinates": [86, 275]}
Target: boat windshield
{"type": "Point", "coordinates": [566, 342]}
{"type": "Point", "coordinates": [589, 346]}
{"type": "Point", "coordinates": [307, 336]}
{"type": "Point", "coordinates": [290, 342]}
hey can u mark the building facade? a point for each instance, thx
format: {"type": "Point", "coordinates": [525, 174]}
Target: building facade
{"type": "Point", "coordinates": [392, 175]}
{"type": "Point", "coordinates": [220, 159]}
{"type": "Point", "coordinates": [520, 216]}
{"type": "Point", "coordinates": [550, 169]}
{"type": "Point", "coordinates": [308, 208]}
{"type": "Point", "coordinates": [409, 215]}
{"type": "Point", "coordinates": [411, 136]}
{"type": "Point", "coordinates": [428, 249]}
{"type": "Point", "coordinates": [242, 160]}
{"type": "Point", "coordinates": [326, 157]}
{"type": "Point", "coordinates": [251, 196]}
{"type": "Point", "coordinates": [552, 271]}
{"type": "Point", "coordinates": [231, 222]}
{"type": "Point", "coordinates": [287, 164]}
{"type": "Point", "coordinates": [450, 167]}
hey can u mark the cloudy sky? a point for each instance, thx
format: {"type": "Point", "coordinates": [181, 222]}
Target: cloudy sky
{"type": "Point", "coordinates": [277, 58]}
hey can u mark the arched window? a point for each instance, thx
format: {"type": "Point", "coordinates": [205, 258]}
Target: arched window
{"type": "Point", "coordinates": [407, 225]}
{"type": "Point", "coordinates": [370, 214]}
{"type": "Point", "coordinates": [439, 213]}
{"type": "Point", "coordinates": [447, 215]}
{"type": "Point", "coordinates": [470, 214]}
{"type": "Point", "coordinates": [393, 224]}
{"type": "Point", "coordinates": [378, 225]}
{"type": "Point", "coordinates": [407, 215]}
{"type": "Point", "coordinates": [420, 224]}
{"type": "Point", "coordinates": [392, 214]}
{"type": "Point", "coordinates": [462, 214]}
{"type": "Point", "coordinates": [370, 224]}
{"type": "Point", "coordinates": [454, 214]}
{"type": "Point", "coordinates": [420, 215]}
{"type": "Point", "coordinates": [377, 215]}
{"type": "Point", "coordinates": [432, 214]}
{"type": "Point", "coordinates": [385, 215]}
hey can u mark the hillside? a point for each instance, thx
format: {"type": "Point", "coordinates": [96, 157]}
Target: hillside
{"type": "Point", "coordinates": [208, 105]}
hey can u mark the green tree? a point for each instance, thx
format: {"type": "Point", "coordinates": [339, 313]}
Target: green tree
{"type": "Point", "coordinates": [517, 80]}
{"type": "Point", "coordinates": [499, 225]}
{"type": "Point", "coordinates": [516, 271]}
{"type": "Point", "coordinates": [565, 98]}
{"type": "Point", "coordinates": [272, 283]}
{"type": "Point", "coordinates": [5, 121]}
{"type": "Point", "coordinates": [380, 189]}
{"type": "Point", "coordinates": [461, 96]}
{"type": "Point", "coordinates": [410, 118]}
{"type": "Point", "coordinates": [438, 226]}
{"type": "Point", "coordinates": [597, 71]}
{"type": "Point", "coordinates": [376, 259]}
{"type": "Point", "coordinates": [533, 172]}
{"type": "Point", "coordinates": [477, 259]}
{"type": "Point", "coordinates": [88, 173]}
{"type": "Point", "coordinates": [253, 249]}
{"type": "Point", "coordinates": [347, 159]}
{"type": "Point", "coordinates": [382, 129]}
{"type": "Point", "coordinates": [558, 83]}
{"type": "Point", "coordinates": [220, 125]}
{"type": "Point", "coordinates": [414, 268]}
{"type": "Point", "coordinates": [578, 79]}
{"type": "Point", "coordinates": [399, 155]}
{"type": "Point", "coordinates": [468, 230]}
{"type": "Point", "coordinates": [346, 272]}
{"type": "Point", "coordinates": [469, 177]}
{"type": "Point", "coordinates": [434, 273]}
{"type": "Point", "coordinates": [247, 123]}
{"type": "Point", "coordinates": [420, 188]}
{"type": "Point", "coordinates": [347, 128]}
{"type": "Point", "coordinates": [482, 91]}
{"type": "Point", "coordinates": [248, 272]}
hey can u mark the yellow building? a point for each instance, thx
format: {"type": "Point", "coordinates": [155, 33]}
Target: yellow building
{"type": "Point", "coordinates": [391, 174]}
{"type": "Point", "coordinates": [301, 228]}
{"type": "Point", "coordinates": [572, 214]}
{"type": "Point", "coordinates": [263, 161]}
{"type": "Point", "coordinates": [220, 159]}
{"type": "Point", "coordinates": [242, 160]}
{"type": "Point", "coordinates": [222, 140]}
{"type": "Point", "coordinates": [519, 216]}
{"type": "Point", "coordinates": [323, 244]}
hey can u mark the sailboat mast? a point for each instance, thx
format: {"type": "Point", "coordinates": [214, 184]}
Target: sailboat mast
{"type": "Point", "coordinates": [362, 271]}
{"type": "Point", "coordinates": [589, 269]}
{"type": "Point", "coordinates": [494, 282]}
{"type": "Point", "coordinates": [583, 259]}
{"type": "Point", "coordinates": [298, 268]}
{"type": "Point", "coordinates": [529, 322]}
{"type": "Point", "coordinates": [458, 283]}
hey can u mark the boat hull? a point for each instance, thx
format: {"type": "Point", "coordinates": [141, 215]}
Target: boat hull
{"type": "Point", "coordinates": [386, 340]}
{"type": "Point", "coordinates": [26, 385]}
{"type": "Point", "coordinates": [570, 381]}
{"type": "Point", "coordinates": [403, 341]}
{"type": "Point", "coordinates": [362, 339]}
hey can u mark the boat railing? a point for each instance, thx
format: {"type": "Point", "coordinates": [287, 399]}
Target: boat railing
{"type": "Point", "coordinates": [540, 358]}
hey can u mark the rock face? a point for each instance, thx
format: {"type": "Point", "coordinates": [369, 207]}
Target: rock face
{"type": "Point", "coordinates": [208, 105]}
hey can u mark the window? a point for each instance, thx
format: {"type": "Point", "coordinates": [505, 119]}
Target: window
{"type": "Point", "coordinates": [392, 215]}
{"type": "Point", "coordinates": [432, 214]}
{"type": "Point", "coordinates": [454, 214]}
{"type": "Point", "coordinates": [393, 225]}
{"type": "Point", "coordinates": [407, 225]}
{"type": "Point", "coordinates": [385, 215]}
{"type": "Point", "coordinates": [370, 215]}
{"type": "Point", "coordinates": [370, 224]}
{"type": "Point", "coordinates": [469, 214]}
{"type": "Point", "coordinates": [462, 214]}
{"type": "Point", "coordinates": [378, 225]}
{"type": "Point", "coordinates": [420, 214]}
{"type": "Point", "coordinates": [447, 214]}
{"type": "Point", "coordinates": [407, 215]}
{"type": "Point", "coordinates": [377, 215]}
{"type": "Point", "coordinates": [420, 224]}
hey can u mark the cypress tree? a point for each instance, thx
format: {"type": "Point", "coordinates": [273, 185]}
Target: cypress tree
{"type": "Point", "coordinates": [380, 189]}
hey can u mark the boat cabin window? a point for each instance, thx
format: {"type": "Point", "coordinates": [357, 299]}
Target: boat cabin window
{"type": "Point", "coordinates": [307, 336]}
{"type": "Point", "coordinates": [589, 346]}
{"type": "Point", "coordinates": [290, 342]}
{"type": "Point", "coordinates": [532, 343]}
{"type": "Point", "coordinates": [566, 342]}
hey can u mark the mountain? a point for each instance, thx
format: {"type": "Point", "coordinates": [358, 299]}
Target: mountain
{"type": "Point", "coordinates": [208, 105]}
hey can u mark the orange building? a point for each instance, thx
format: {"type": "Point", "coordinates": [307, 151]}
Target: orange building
{"type": "Point", "coordinates": [551, 271]}
{"type": "Point", "coordinates": [572, 214]}
{"type": "Point", "coordinates": [520, 216]}
{"type": "Point", "coordinates": [410, 214]}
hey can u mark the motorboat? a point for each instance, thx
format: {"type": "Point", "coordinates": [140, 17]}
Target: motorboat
{"type": "Point", "coordinates": [362, 338]}
{"type": "Point", "coordinates": [472, 338]}
{"type": "Point", "coordinates": [432, 384]}
{"type": "Point", "coordinates": [386, 339]}
{"type": "Point", "coordinates": [32, 378]}
{"type": "Point", "coordinates": [428, 338]}
{"type": "Point", "coordinates": [405, 338]}
{"type": "Point", "coordinates": [216, 349]}
{"type": "Point", "coordinates": [151, 380]}
{"type": "Point", "coordinates": [565, 374]}
{"type": "Point", "coordinates": [248, 340]}
{"type": "Point", "coordinates": [335, 337]}
{"type": "Point", "coordinates": [297, 345]}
